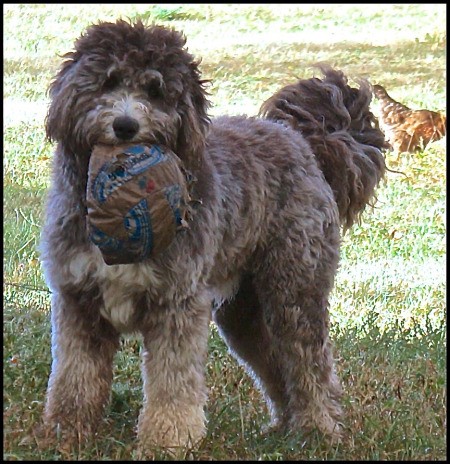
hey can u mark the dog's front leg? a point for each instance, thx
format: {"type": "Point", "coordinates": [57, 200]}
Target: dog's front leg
{"type": "Point", "coordinates": [83, 347]}
{"type": "Point", "coordinates": [173, 370]}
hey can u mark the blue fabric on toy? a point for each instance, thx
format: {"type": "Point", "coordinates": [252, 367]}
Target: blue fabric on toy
{"type": "Point", "coordinates": [136, 200]}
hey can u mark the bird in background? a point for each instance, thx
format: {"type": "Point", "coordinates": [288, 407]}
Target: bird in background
{"type": "Point", "coordinates": [408, 130]}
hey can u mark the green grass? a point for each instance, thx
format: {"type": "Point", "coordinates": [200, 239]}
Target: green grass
{"type": "Point", "coordinates": [388, 307]}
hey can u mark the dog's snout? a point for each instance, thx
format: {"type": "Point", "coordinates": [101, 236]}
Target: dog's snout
{"type": "Point", "coordinates": [125, 127]}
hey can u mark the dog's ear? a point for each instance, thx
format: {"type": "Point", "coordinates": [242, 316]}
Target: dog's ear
{"type": "Point", "coordinates": [194, 123]}
{"type": "Point", "coordinates": [62, 93]}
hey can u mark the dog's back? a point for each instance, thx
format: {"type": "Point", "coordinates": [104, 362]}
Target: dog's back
{"type": "Point", "coordinates": [263, 172]}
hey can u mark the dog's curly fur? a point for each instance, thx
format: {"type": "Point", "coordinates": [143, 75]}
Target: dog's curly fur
{"type": "Point", "coordinates": [260, 253]}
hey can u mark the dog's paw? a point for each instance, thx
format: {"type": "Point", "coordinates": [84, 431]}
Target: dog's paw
{"type": "Point", "coordinates": [323, 423]}
{"type": "Point", "coordinates": [175, 431]}
{"type": "Point", "coordinates": [63, 438]}
{"type": "Point", "coordinates": [50, 436]}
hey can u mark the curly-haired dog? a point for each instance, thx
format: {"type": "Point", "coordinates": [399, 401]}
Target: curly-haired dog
{"type": "Point", "coordinates": [260, 253]}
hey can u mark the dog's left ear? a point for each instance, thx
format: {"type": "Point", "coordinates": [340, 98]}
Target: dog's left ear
{"type": "Point", "coordinates": [194, 123]}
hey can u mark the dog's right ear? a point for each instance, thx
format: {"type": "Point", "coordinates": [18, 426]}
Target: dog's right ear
{"type": "Point", "coordinates": [62, 92]}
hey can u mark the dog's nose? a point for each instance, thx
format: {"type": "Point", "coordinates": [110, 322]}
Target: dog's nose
{"type": "Point", "coordinates": [125, 127]}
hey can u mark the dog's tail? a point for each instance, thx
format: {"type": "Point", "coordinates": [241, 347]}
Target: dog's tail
{"type": "Point", "coordinates": [342, 132]}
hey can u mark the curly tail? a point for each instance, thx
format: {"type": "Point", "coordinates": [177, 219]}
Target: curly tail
{"type": "Point", "coordinates": [343, 133]}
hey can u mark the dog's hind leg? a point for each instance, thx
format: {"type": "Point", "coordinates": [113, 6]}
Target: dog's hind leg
{"type": "Point", "coordinates": [303, 350]}
{"type": "Point", "coordinates": [294, 283]}
{"type": "Point", "coordinates": [174, 359]}
{"type": "Point", "coordinates": [242, 326]}
{"type": "Point", "coordinates": [83, 347]}
{"type": "Point", "coordinates": [277, 325]}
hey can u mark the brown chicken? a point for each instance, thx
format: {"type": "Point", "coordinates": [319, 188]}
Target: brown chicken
{"type": "Point", "coordinates": [405, 129]}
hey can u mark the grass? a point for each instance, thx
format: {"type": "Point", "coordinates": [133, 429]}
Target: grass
{"type": "Point", "coordinates": [388, 307]}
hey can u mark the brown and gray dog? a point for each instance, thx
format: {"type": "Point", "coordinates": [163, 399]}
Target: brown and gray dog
{"type": "Point", "coordinates": [259, 255]}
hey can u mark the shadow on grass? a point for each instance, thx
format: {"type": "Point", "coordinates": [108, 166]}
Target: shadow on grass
{"type": "Point", "coordinates": [394, 398]}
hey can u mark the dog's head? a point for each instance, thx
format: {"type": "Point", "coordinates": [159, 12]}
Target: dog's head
{"type": "Point", "coordinates": [129, 83]}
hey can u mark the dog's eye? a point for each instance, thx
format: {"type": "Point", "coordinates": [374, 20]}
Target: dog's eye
{"type": "Point", "coordinates": [111, 82]}
{"type": "Point", "coordinates": [154, 90]}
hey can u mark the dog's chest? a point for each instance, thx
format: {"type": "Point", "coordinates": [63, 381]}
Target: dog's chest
{"type": "Point", "coordinates": [120, 285]}
{"type": "Point", "coordinates": [118, 306]}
